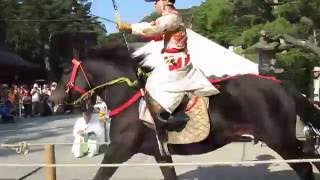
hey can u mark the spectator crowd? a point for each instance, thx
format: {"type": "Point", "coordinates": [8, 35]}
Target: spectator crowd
{"type": "Point", "coordinates": [90, 130]}
{"type": "Point", "coordinates": [24, 100]}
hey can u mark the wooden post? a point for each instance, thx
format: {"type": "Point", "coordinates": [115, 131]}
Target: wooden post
{"type": "Point", "coordinates": [50, 160]}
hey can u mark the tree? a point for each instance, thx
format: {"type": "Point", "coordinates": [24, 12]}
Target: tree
{"type": "Point", "coordinates": [225, 20]}
{"type": "Point", "coordinates": [28, 38]}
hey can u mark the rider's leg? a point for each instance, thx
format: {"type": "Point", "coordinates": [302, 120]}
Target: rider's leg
{"type": "Point", "coordinates": [164, 116]}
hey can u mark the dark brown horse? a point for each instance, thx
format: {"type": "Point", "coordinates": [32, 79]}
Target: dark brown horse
{"type": "Point", "coordinates": [262, 107]}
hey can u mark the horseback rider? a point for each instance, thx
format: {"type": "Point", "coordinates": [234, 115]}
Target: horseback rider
{"type": "Point", "coordinates": [166, 87]}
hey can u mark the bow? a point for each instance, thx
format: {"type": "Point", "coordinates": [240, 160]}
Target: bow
{"type": "Point", "coordinates": [118, 20]}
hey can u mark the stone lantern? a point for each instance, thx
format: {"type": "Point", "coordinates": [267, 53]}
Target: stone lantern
{"type": "Point", "coordinates": [266, 49]}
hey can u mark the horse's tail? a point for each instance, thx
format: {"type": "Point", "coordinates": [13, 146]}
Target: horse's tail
{"type": "Point", "coordinates": [308, 113]}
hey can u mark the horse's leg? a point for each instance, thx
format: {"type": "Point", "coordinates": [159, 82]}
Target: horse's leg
{"type": "Point", "coordinates": [309, 149]}
{"type": "Point", "coordinates": [124, 144]}
{"type": "Point", "coordinates": [150, 147]}
{"type": "Point", "coordinates": [115, 153]}
{"type": "Point", "coordinates": [293, 150]}
{"type": "Point", "coordinates": [280, 135]}
{"type": "Point", "coordinates": [169, 173]}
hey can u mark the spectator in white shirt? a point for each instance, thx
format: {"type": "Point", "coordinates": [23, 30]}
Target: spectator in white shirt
{"type": "Point", "coordinates": [35, 93]}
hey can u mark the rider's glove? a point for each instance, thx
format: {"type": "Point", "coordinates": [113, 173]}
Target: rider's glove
{"type": "Point", "coordinates": [122, 26]}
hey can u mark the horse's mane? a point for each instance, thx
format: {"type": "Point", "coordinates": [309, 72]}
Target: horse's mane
{"type": "Point", "coordinates": [114, 52]}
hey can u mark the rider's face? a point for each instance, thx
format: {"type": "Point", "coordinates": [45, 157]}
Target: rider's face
{"type": "Point", "coordinates": [316, 74]}
{"type": "Point", "coordinates": [159, 6]}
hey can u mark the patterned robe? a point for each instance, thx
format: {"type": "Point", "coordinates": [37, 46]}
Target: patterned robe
{"type": "Point", "coordinates": [168, 84]}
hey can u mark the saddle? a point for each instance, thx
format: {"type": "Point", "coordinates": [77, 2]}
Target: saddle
{"type": "Point", "coordinates": [196, 129]}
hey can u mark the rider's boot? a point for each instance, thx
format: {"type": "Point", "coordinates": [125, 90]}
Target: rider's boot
{"type": "Point", "coordinates": [162, 124]}
{"type": "Point", "coordinates": [179, 117]}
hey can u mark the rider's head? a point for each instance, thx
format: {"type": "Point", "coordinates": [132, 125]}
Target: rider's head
{"type": "Point", "coordinates": [87, 110]}
{"type": "Point", "coordinates": [160, 5]}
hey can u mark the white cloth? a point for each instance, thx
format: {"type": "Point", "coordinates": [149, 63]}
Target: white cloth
{"type": "Point", "coordinates": [210, 57]}
{"type": "Point", "coordinates": [94, 125]}
{"type": "Point", "coordinates": [168, 84]}
{"type": "Point", "coordinates": [35, 92]}
{"type": "Point", "coordinates": [316, 89]}
{"type": "Point", "coordinates": [85, 145]}
{"type": "Point", "coordinates": [144, 113]}
{"type": "Point", "coordinates": [206, 56]}
{"type": "Point", "coordinates": [173, 86]}
{"type": "Point", "coordinates": [104, 116]}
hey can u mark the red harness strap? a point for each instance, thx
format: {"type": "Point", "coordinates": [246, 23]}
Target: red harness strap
{"type": "Point", "coordinates": [125, 105]}
{"type": "Point", "coordinates": [172, 50]}
{"type": "Point", "coordinates": [218, 80]}
{"type": "Point", "coordinates": [70, 85]}
{"type": "Point", "coordinates": [154, 38]}
{"type": "Point", "coordinates": [76, 65]}
{"type": "Point", "coordinates": [79, 89]}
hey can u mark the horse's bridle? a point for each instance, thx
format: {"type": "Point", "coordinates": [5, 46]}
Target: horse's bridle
{"type": "Point", "coordinates": [88, 93]}
{"type": "Point", "coordinates": [71, 83]}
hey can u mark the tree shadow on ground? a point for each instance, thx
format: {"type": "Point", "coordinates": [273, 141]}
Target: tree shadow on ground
{"type": "Point", "coordinates": [33, 130]}
{"type": "Point", "coordinates": [257, 172]}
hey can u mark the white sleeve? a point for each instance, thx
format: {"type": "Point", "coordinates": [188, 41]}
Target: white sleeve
{"type": "Point", "coordinates": [76, 127]}
{"type": "Point", "coordinates": [165, 23]}
{"type": "Point", "coordinates": [95, 125]}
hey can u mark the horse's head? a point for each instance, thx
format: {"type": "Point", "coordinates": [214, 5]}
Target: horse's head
{"type": "Point", "coordinates": [101, 66]}
{"type": "Point", "coordinates": [73, 84]}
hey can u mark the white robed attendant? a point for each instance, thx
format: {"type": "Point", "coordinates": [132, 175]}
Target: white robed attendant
{"type": "Point", "coordinates": [88, 134]}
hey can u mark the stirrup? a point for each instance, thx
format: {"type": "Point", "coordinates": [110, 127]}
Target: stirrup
{"type": "Point", "coordinates": [177, 118]}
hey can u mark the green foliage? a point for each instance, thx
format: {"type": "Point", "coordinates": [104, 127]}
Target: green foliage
{"type": "Point", "coordinates": [213, 15]}
{"type": "Point", "coordinates": [293, 57]}
{"type": "Point", "coordinates": [310, 9]}
{"type": "Point", "coordinates": [28, 38]}
{"type": "Point", "coordinates": [251, 36]}
{"type": "Point", "coordinates": [298, 65]}
{"type": "Point", "coordinates": [253, 10]}
{"type": "Point", "coordinates": [289, 11]}
{"type": "Point", "coordinates": [225, 21]}
{"type": "Point", "coordinates": [280, 26]}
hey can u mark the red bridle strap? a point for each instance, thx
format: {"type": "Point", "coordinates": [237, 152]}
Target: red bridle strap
{"type": "Point", "coordinates": [125, 105]}
{"type": "Point", "coordinates": [70, 85]}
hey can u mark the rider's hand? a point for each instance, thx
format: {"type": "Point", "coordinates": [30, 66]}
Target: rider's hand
{"type": "Point", "coordinates": [122, 26]}
{"type": "Point", "coordinates": [152, 23]}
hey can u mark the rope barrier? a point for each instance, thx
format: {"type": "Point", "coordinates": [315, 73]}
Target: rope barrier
{"type": "Point", "coordinates": [20, 148]}
{"type": "Point", "coordinates": [23, 147]}
{"type": "Point", "coordinates": [218, 163]}
{"type": "Point", "coordinates": [43, 144]}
